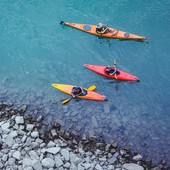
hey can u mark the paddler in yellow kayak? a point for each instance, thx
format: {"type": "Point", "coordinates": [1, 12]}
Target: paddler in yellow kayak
{"type": "Point", "coordinates": [77, 91]}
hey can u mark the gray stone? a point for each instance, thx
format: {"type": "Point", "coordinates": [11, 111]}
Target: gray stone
{"type": "Point", "coordinates": [4, 158]}
{"type": "Point", "coordinates": [113, 159]}
{"type": "Point", "coordinates": [23, 108]}
{"type": "Point", "coordinates": [34, 145]}
{"type": "Point", "coordinates": [65, 154]}
{"type": "Point", "coordinates": [94, 122]}
{"type": "Point", "coordinates": [29, 127]}
{"type": "Point", "coordinates": [14, 133]}
{"type": "Point", "coordinates": [53, 150]}
{"type": "Point", "coordinates": [98, 167]}
{"type": "Point", "coordinates": [38, 140]}
{"type": "Point", "coordinates": [21, 127]}
{"type": "Point", "coordinates": [24, 138]}
{"type": "Point", "coordinates": [1, 154]}
{"type": "Point", "coordinates": [16, 127]}
{"type": "Point", "coordinates": [27, 162]}
{"type": "Point", "coordinates": [73, 167]}
{"type": "Point", "coordinates": [87, 165]}
{"type": "Point", "coordinates": [21, 132]}
{"type": "Point", "coordinates": [58, 161]}
{"type": "Point", "coordinates": [137, 157]}
{"type": "Point", "coordinates": [11, 161]}
{"type": "Point", "coordinates": [80, 167]}
{"type": "Point", "coordinates": [106, 108]}
{"type": "Point", "coordinates": [5, 151]}
{"type": "Point", "coordinates": [17, 155]}
{"type": "Point", "coordinates": [50, 144]}
{"type": "Point", "coordinates": [132, 166]}
{"type": "Point", "coordinates": [111, 167]}
{"type": "Point", "coordinates": [67, 165]}
{"type": "Point", "coordinates": [9, 140]}
{"type": "Point", "coordinates": [5, 126]}
{"type": "Point", "coordinates": [33, 154]}
{"type": "Point", "coordinates": [1, 165]}
{"type": "Point", "coordinates": [28, 168]}
{"type": "Point", "coordinates": [15, 146]}
{"type": "Point", "coordinates": [37, 166]}
{"type": "Point", "coordinates": [35, 134]}
{"type": "Point", "coordinates": [48, 163]}
{"type": "Point", "coordinates": [28, 141]}
{"type": "Point", "coordinates": [19, 120]}
{"type": "Point", "coordinates": [42, 145]}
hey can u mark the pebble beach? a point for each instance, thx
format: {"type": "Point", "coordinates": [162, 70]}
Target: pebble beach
{"type": "Point", "coordinates": [26, 144]}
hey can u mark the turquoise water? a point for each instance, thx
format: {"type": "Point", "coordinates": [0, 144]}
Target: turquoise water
{"type": "Point", "coordinates": [37, 51]}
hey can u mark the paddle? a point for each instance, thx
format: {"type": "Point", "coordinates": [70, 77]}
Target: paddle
{"type": "Point", "coordinates": [115, 68]}
{"type": "Point", "coordinates": [62, 23]}
{"type": "Point", "coordinates": [67, 100]}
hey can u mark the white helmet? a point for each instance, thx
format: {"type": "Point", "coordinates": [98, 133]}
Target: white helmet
{"type": "Point", "coordinates": [99, 25]}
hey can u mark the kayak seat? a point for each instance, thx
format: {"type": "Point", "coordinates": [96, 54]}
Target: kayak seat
{"type": "Point", "coordinates": [87, 27]}
{"type": "Point", "coordinates": [127, 34]}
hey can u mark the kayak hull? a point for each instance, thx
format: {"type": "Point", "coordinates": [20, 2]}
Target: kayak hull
{"type": "Point", "coordinates": [120, 75]}
{"type": "Point", "coordinates": [112, 33]}
{"type": "Point", "coordinates": [91, 95]}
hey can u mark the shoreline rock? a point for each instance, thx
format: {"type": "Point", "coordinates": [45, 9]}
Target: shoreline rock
{"type": "Point", "coordinates": [27, 142]}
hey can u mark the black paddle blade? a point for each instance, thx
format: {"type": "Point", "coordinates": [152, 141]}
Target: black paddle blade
{"type": "Point", "coordinates": [62, 22]}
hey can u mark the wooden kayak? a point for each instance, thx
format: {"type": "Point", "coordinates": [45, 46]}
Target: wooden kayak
{"type": "Point", "coordinates": [89, 95]}
{"type": "Point", "coordinates": [120, 75]}
{"type": "Point", "coordinates": [112, 33]}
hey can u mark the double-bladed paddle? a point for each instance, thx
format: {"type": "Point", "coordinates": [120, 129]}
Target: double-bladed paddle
{"type": "Point", "coordinates": [115, 68]}
{"type": "Point", "coordinates": [93, 87]}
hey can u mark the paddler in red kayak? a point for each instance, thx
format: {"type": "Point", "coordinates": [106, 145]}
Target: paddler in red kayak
{"type": "Point", "coordinates": [111, 70]}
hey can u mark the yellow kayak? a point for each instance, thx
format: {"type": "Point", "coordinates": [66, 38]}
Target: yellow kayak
{"type": "Point", "coordinates": [111, 33]}
{"type": "Point", "coordinates": [90, 95]}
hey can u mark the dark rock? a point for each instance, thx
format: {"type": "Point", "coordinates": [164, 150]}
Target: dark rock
{"type": "Point", "coordinates": [67, 135]}
{"type": "Point", "coordinates": [54, 133]}
{"type": "Point", "coordinates": [61, 132]}
{"type": "Point", "coordinates": [92, 138]}
{"type": "Point", "coordinates": [84, 137]}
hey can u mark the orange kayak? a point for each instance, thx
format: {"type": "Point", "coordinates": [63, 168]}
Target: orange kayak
{"type": "Point", "coordinates": [112, 33]}
{"type": "Point", "coordinates": [90, 95]}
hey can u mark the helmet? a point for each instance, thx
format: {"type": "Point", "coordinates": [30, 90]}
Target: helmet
{"type": "Point", "coordinates": [99, 25]}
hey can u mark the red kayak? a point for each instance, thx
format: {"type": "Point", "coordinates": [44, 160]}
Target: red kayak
{"type": "Point", "coordinates": [120, 75]}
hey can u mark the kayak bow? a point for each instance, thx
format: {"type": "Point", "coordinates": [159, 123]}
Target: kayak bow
{"type": "Point", "coordinates": [112, 33]}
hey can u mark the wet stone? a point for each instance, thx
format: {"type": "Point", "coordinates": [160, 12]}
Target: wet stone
{"type": "Point", "coordinates": [29, 127]}
{"type": "Point", "coordinates": [94, 122]}
{"type": "Point", "coordinates": [92, 138]}
{"type": "Point", "coordinates": [132, 166]}
{"type": "Point", "coordinates": [17, 155]}
{"type": "Point", "coordinates": [35, 134]}
{"type": "Point", "coordinates": [137, 157]}
{"type": "Point", "coordinates": [19, 120]}
{"type": "Point", "coordinates": [48, 163]}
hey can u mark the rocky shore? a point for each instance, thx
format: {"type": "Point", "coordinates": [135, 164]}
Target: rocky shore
{"type": "Point", "coordinates": [29, 143]}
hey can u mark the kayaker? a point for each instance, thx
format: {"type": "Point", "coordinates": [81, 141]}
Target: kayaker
{"type": "Point", "coordinates": [76, 91]}
{"type": "Point", "coordinates": [111, 70]}
{"type": "Point", "coordinates": [101, 28]}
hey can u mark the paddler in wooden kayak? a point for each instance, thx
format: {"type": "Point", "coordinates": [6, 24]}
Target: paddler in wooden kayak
{"type": "Point", "coordinates": [101, 28]}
